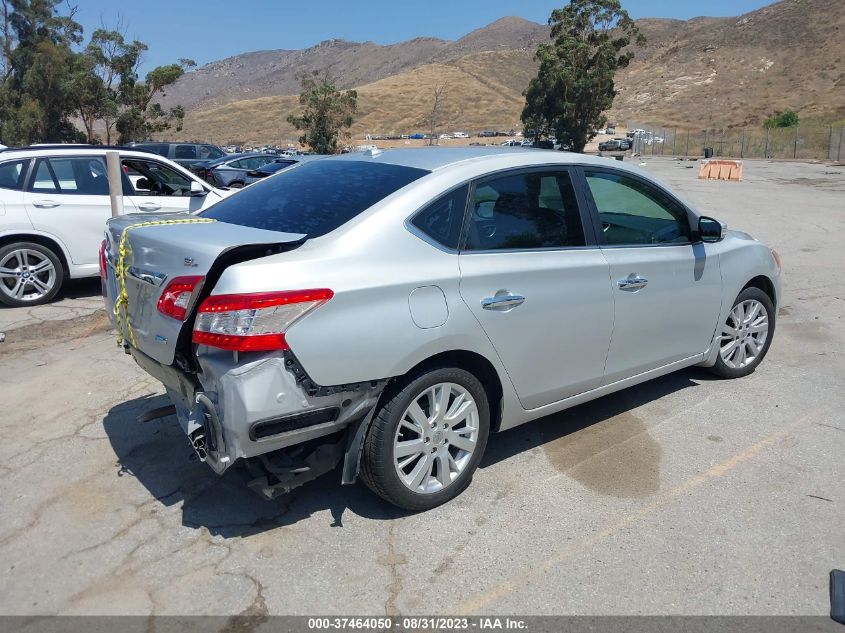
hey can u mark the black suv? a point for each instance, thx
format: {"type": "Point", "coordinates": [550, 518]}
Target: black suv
{"type": "Point", "coordinates": [186, 154]}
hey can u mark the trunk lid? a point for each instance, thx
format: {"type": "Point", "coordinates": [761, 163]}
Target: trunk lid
{"type": "Point", "coordinates": [160, 247]}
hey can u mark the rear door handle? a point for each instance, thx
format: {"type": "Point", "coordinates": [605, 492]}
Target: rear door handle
{"type": "Point", "coordinates": [46, 204]}
{"type": "Point", "coordinates": [632, 282]}
{"type": "Point", "coordinates": [149, 206]}
{"type": "Point", "coordinates": [502, 302]}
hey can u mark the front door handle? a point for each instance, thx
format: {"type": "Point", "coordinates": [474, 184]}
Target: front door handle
{"type": "Point", "coordinates": [149, 206]}
{"type": "Point", "coordinates": [46, 204]}
{"type": "Point", "coordinates": [632, 282]}
{"type": "Point", "coordinates": [502, 301]}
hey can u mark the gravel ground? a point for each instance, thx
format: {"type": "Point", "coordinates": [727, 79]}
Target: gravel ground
{"type": "Point", "coordinates": [685, 495]}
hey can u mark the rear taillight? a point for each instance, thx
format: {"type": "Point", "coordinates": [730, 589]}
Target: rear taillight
{"type": "Point", "coordinates": [104, 265]}
{"type": "Point", "coordinates": [254, 322]}
{"type": "Point", "coordinates": [178, 296]}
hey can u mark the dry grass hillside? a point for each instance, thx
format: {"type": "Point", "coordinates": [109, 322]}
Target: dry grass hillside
{"type": "Point", "coordinates": [736, 71]}
{"type": "Point", "coordinates": [482, 91]}
{"type": "Point", "coordinates": [704, 72]}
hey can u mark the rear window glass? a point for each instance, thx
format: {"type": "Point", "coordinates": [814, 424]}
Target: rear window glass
{"type": "Point", "coordinates": [313, 199]}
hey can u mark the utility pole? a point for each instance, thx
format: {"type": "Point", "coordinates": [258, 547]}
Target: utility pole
{"type": "Point", "coordinates": [115, 183]}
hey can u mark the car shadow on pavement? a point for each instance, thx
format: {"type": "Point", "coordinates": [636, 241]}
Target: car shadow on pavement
{"type": "Point", "coordinates": [81, 288]}
{"type": "Point", "coordinates": [557, 426]}
{"type": "Point", "coordinates": [159, 456]}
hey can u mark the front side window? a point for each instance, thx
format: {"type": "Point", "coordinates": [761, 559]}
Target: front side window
{"type": "Point", "coordinates": [209, 152]}
{"type": "Point", "coordinates": [152, 178]}
{"type": "Point", "coordinates": [634, 213]}
{"type": "Point", "coordinates": [12, 174]}
{"type": "Point", "coordinates": [79, 176]}
{"type": "Point", "coordinates": [442, 219]}
{"type": "Point", "coordinates": [314, 198]}
{"type": "Point", "coordinates": [525, 210]}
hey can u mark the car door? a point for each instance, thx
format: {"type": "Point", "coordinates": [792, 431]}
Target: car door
{"type": "Point", "coordinates": [13, 215]}
{"type": "Point", "coordinates": [161, 188]}
{"type": "Point", "coordinates": [666, 289]}
{"type": "Point", "coordinates": [68, 197]}
{"type": "Point", "coordinates": [537, 283]}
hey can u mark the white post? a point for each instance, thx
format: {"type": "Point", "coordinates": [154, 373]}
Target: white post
{"type": "Point", "coordinates": [115, 183]}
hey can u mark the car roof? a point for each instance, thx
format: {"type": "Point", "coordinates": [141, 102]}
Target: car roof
{"type": "Point", "coordinates": [436, 158]}
{"type": "Point", "coordinates": [79, 150]}
{"type": "Point", "coordinates": [228, 157]}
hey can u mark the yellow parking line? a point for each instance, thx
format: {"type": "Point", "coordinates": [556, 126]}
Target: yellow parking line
{"type": "Point", "coordinates": [477, 602]}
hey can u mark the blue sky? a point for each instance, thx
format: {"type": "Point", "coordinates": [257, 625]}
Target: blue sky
{"type": "Point", "coordinates": [213, 29]}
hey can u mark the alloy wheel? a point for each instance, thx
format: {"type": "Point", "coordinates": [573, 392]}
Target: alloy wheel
{"type": "Point", "coordinates": [26, 275]}
{"type": "Point", "coordinates": [744, 334]}
{"type": "Point", "coordinates": [436, 438]}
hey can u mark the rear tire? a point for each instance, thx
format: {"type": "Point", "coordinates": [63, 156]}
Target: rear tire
{"type": "Point", "coordinates": [30, 274]}
{"type": "Point", "coordinates": [438, 420]}
{"type": "Point", "coordinates": [236, 185]}
{"type": "Point", "coordinates": [746, 335]}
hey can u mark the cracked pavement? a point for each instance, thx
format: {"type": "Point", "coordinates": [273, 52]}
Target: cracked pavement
{"type": "Point", "coordinates": [686, 495]}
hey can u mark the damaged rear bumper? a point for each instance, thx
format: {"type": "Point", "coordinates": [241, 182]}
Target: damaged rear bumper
{"type": "Point", "coordinates": [262, 408]}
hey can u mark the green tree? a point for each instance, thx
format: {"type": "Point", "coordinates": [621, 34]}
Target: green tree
{"type": "Point", "coordinates": [327, 112]}
{"type": "Point", "coordinates": [141, 116]}
{"type": "Point", "coordinates": [591, 40]}
{"type": "Point", "coordinates": [36, 93]}
{"type": "Point", "coordinates": [782, 119]}
{"type": "Point", "coordinates": [107, 69]}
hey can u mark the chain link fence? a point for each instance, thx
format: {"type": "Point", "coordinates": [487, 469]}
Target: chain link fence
{"type": "Point", "coordinates": [807, 141]}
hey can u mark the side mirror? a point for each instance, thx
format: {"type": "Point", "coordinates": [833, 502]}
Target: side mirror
{"type": "Point", "coordinates": [142, 184]}
{"type": "Point", "coordinates": [197, 189]}
{"type": "Point", "coordinates": [710, 230]}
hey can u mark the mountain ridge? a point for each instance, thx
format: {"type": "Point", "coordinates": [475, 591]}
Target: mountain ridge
{"type": "Point", "coordinates": [706, 71]}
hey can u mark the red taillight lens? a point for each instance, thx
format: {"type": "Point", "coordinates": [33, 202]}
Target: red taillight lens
{"type": "Point", "coordinates": [176, 298]}
{"type": "Point", "coordinates": [104, 265]}
{"type": "Point", "coordinates": [254, 322]}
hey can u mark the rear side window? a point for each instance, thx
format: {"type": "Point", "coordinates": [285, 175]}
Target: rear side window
{"type": "Point", "coordinates": [524, 211]}
{"type": "Point", "coordinates": [442, 219]}
{"type": "Point", "coordinates": [154, 148]}
{"type": "Point", "coordinates": [12, 174]}
{"type": "Point", "coordinates": [314, 199]}
{"type": "Point", "coordinates": [185, 151]}
{"type": "Point", "coordinates": [80, 176]}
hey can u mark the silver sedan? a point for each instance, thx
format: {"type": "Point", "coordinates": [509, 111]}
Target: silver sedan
{"type": "Point", "coordinates": [391, 310]}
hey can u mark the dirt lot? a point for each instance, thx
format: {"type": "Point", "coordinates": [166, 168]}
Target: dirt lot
{"type": "Point", "coordinates": [686, 495]}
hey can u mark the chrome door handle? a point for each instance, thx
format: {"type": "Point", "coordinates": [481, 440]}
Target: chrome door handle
{"type": "Point", "coordinates": [149, 206]}
{"type": "Point", "coordinates": [632, 282]}
{"type": "Point", "coordinates": [502, 302]}
{"type": "Point", "coordinates": [46, 204]}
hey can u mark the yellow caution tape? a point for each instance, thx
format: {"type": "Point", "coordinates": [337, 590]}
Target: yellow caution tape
{"type": "Point", "coordinates": [121, 269]}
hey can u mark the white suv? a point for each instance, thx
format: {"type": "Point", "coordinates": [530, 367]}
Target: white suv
{"type": "Point", "coordinates": [54, 203]}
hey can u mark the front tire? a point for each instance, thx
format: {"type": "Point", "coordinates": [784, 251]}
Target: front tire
{"type": "Point", "coordinates": [30, 274]}
{"type": "Point", "coordinates": [746, 334]}
{"type": "Point", "coordinates": [427, 438]}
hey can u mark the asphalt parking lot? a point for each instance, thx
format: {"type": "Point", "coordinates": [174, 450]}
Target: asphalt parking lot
{"type": "Point", "coordinates": [685, 495]}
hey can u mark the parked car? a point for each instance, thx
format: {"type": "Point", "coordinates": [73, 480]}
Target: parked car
{"type": "Point", "coordinates": [231, 171]}
{"type": "Point", "coordinates": [624, 144]}
{"type": "Point", "coordinates": [185, 154]}
{"type": "Point", "coordinates": [460, 135]}
{"type": "Point", "coordinates": [269, 169]}
{"type": "Point", "coordinates": [55, 202]}
{"type": "Point", "coordinates": [394, 309]}
{"type": "Point", "coordinates": [613, 145]}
